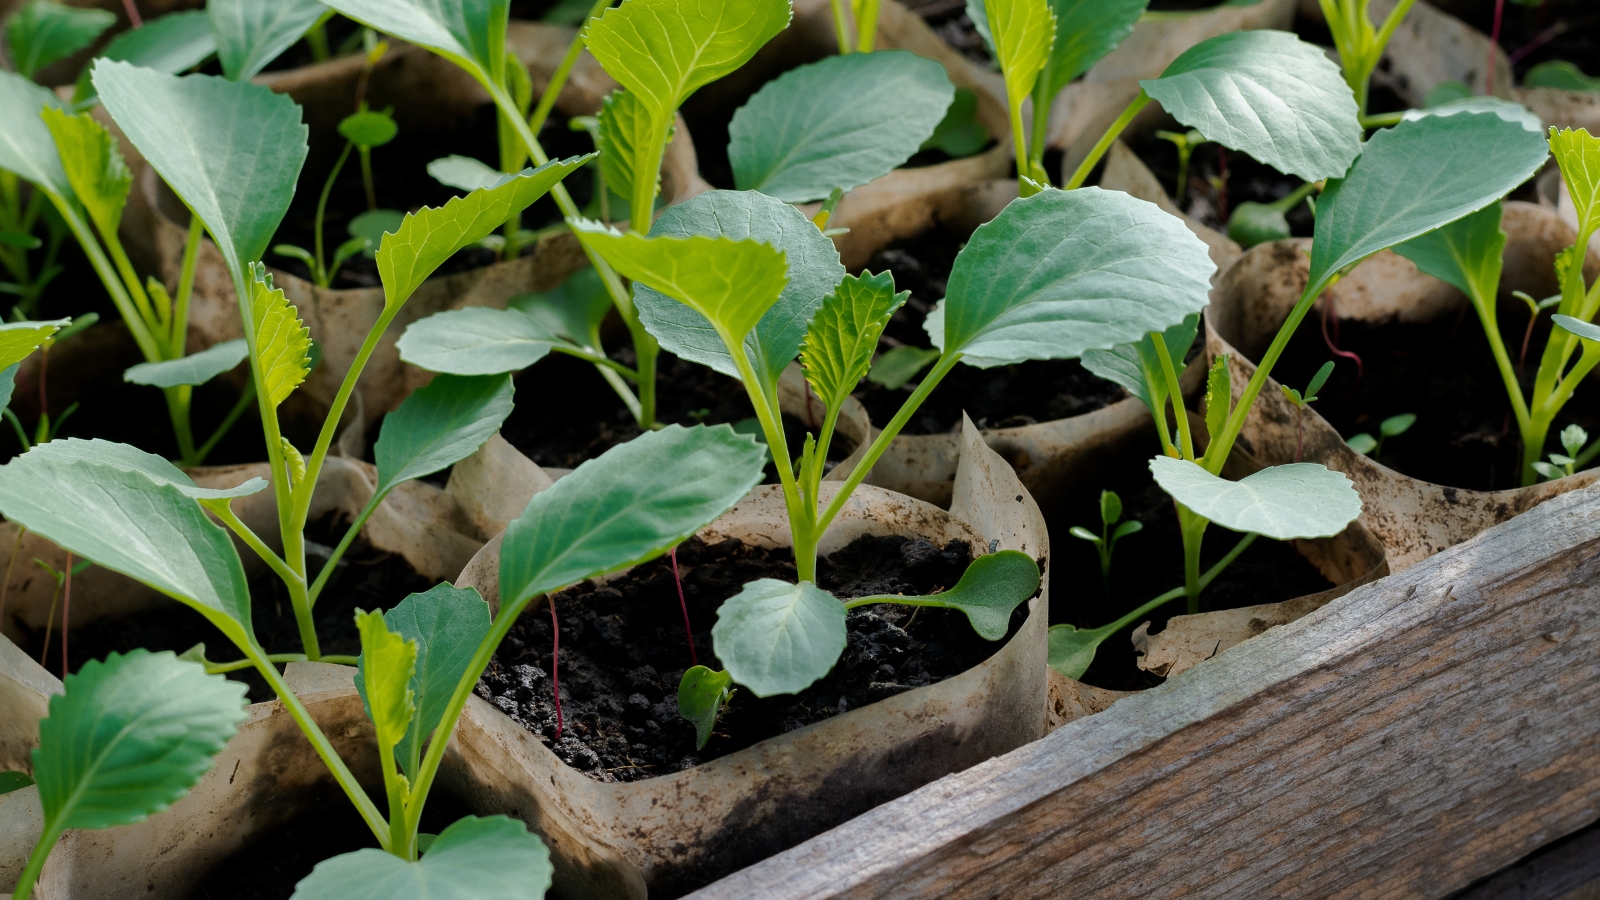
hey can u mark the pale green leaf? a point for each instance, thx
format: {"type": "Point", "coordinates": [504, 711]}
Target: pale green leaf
{"type": "Point", "coordinates": [779, 638]}
{"type": "Point", "coordinates": [440, 424]}
{"type": "Point", "coordinates": [843, 335]}
{"type": "Point", "coordinates": [173, 43]}
{"type": "Point", "coordinates": [26, 147]}
{"type": "Point", "coordinates": [386, 665]}
{"type": "Point", "coordinates": [432, 235]}
{"type": "Point", "coordinates": [477, 340]}
{"type": "Point", "coordinates": [8, 384]}
{"type": "Point", "coordinates": [1254, 223]}
{"type": "Point", "coordinates": [469, 32]}
{"type": "Point", "coordinates": [113, 504]}
{"type": "Point", "coordinates": [1022, 32]}
{"type": "Point", "coordinates": [1467, 253]}
{"type": "Point", "coordinates": [812, 269]}
{"type": "Point", "coordinates": [283, 342]}
{"type": "Point", "coordinates": [93, 165]}
{"type": "Point", "coordinates": [625, 126]}
{"type": "Point", "coordinates": [1219, 395]}
{"type": "Point", "coordinates": [1578, 155]}
{"type": "Point", "coordinates": [474, 859]}
{"type": "Point", "coordinates": [1515, 113]}
{"type": "Point", "coordinates": [701, 694]}
{"type": "Point", "coordinates": [250, 33]}
{"type": "Point", "coordinates": [574, 309]}
{"type": "Point", "coordinates": [664, 50]}
{"type": "Point", "coordinates": [369, 128]}
{"type": "Point", "coordinates": [1561, 75]}
{"type": "Point", "coordinates": [959, 133]}
{"type": "Point", "coordinates": [898, 365]}
{"type": "Point", "coordinates": [629, 505]}
{"type": "Point", "coordinates": [1268, 94]}
{"type": "Point", "coordinates": [1063, 272]}
{"type": "Point", "coordinates": [1586, 330]}
{"type": "Point", "coordinates": [231, 150]}
{"type": "Point", "coordinates": [196, 368]}
{"type": "Point", "coordinates": [1415, 177]}
{"type": "Point", "coordinates": [991, 587]}
{"type": "Point", "coordinates": [1135, 365]}
{"type": "Point", "coordinates": [1071, 650]}
{"type": "Point", "coordinates": [18, 339]}
{"type": "Point", "coordinates": [1298, 500]}
{"type": "Point", "coordinates": [465, 173]}
{"type": "Point", "coordinates": [1087, 30]}
{"type": "Point", "coordinates": [44, 31]}
{"type": "Point", "coordinates": [829, 124]}
{"type": "Point", "coordinates": [129, 736]}
{"type": "Point", "coordinates": [372, 225]}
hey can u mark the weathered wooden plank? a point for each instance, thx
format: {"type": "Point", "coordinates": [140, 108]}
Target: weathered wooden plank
{"type": "Point", "coordinates": [1419, 734]}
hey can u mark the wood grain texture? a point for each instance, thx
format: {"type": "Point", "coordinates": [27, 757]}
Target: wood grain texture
{"type": "Point", "coordinates": [1414, 736]}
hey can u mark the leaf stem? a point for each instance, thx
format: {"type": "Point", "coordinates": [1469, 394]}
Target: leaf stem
{"type": "Point", "coordinates": [841, 27]}
{"type": "Point", "coordinates": [227, 423]}
{"type": "Point", "coordinates": [558, 78]}
{"type": "Point", "coordinates": [1041, 121]}
{"type": "Point", "coordinates": [178, 337]}
{"type": "Point", "coordinates": [321, 274]}
{"type": "Point", "coordinates": [344, 544]}
{"type": "Point", "coordinates": [1106, 140]}
{"type": "Point", "coordinates": [867, 26]}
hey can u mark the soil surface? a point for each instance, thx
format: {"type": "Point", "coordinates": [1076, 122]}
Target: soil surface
{"type": "Point", "coordinates": [949, 20]}
{"type": "Point", "coordinates": [367, 579]}
{"type": "Point", "coordinates": [1149, 563]}
{"type": "Point", "coordinates": [1465, 435]}
{"type": "Point", "coordinates": [1000, 397]}
{"type": "Point", "coordinates": [269, 867]}
{"type": "Point", "coordinates": [623, 653]}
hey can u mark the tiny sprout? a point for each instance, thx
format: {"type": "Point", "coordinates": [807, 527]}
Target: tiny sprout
{"type": "Point", "coordinates": [1394, 426]}
{"type": "Point", "coordinates": [1573, 437]}
{"type": "Point", "coordinates": [1534, 308]}
{"type": "Point", "coordinates": [1106, 541]}
{"type": "Point", "coordinates": [362, 131]}
{"type": "Point", "coordinates": [1186, 142]}
{"type": "Point", "coordinates": [1300, 404]}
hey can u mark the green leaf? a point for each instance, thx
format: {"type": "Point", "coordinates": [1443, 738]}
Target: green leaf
{"type": "Point", "coordinates": [440, 424]}
{"type": "Point", "coordinates": [574, 309]}
{"type": "Point", "coordinates": [446, 623]}
{"type": "Point", "coordinates": [26, 147]}
{"type": "Point", "coordinates": [625, 126]}
{"type": "Point", "coordinates": [132, 459]}
{"type": "Point", "coordinates": [959, 133]}
{"type": "Point", "coordinates": [1561, 75]}
{"type": "Point", "coordinates": [18, 339]}
{"type": "Point", "coordinates": [701, 695]}
{"type": "Point", "coordinates": [369, 128]}
{"type": "Point", "coordinates": [1110, 507]}
{"type": "Point", "coordinates": [1397, 425]}
{"type": "Point", "coordinates": [232, 151]}
{"type": "Point", "coordinates": [1071, 650]}
{"type": "Point", "coordinates": [43, 31]}
{"type": "Point", "coordinates": [779, 638]}
{"type": "Point", "coordinates": [1063, 272]}
{"type": "Point", "coordinates": [1362, 444]}
{"type": "Point", "coordinates": [250, 34]}
{"type": "Point", "coordinates": [664, 50]}
{"type": "Point", "coordinates": [1087, 30]}
{"type": "Point", "coordinates": [1585, 330]}
{"type": "Point", "coordinates": [988, 591]}
{"type": "Point", "coordinates": [385, 668]}
{"type": "Point", "coordinates": [1318, 380]}
{"type": "Point", "coordinates": [173, 43]}
{"type": "Point", "coordinates": [196, 368]}
{"type": "Point", "coordinates": [483, 341]}
{"type": "Point", "coordinates": [465, 173]}
{"type": "Point", "coordinates": [8, 384]}
{"type": "Point", "coordinates": [838, 346]}
{"type": "Point", "coordinates": [283, 342]}
{"type": "Point", "coordinates": [1446, 92]}
{"type": "Point", "coordinates": [1135, 366]}
{"type": "Point", "coordinates": [92, 164]}
{"type": "Point", "coordinates": [372, 225]}
{"type": "Point", "coordinates": [1415, 177]}
{"type": "Point", "coordinates": [432, 235]}
{"type": "Point", "coordinates": [1467, 253]}
{"type": "Point", "coordinates": [1515, 113]}
{"type": "Point", "coordinates": [1219, 395]}
{"type": "Point", "coordinates": [628, 505]}
{"type": "Point", "coordinates": [471, 33]}
{"type": "Point", "coordinates": [14, 781]}
{"type": "Point", "coordinates": [898, 365]}
{"type": "Point", "coordinates": [824, 125]}
{"type": "Point", "coordinates": [1578, 155]}
{"type": "Point", "coordinates": [809, 261]}
{"type": "Point", "coordinates": [491, 858]}
{"type": "Point", "coordinates": [1268, 94]}
{"type": "Point", "coordinates": [1298, 500]}
{"type": "Point", "coordinates": [1021, 33]}
{"type": "Point", "coordinates": [129, 736]}
{"type": "Point", "coordinates": [1257, 223]}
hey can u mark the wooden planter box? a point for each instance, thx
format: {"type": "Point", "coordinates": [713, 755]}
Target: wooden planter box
{"type": "Point", "coordinates": [1404, 741]}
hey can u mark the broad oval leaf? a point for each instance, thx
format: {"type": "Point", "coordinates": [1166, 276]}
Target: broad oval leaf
{"type": "Point", "coordinates": [44, 31]}
{"type": "Point", "coordinates": [470, 32]}
{"type": "Point", "coordinates": [829, 124]}
{"type": "Point", "coordinates": [465, 173]}
{"type": "Point", "coordinates": [1298, 500]}
{"type": "Point", "coordinates": [231, 150]}
{"type": "Point", "coordinates": [1136, 365]}
{"type": "Point", "coordinates": [1063, 272]}
{"type": "Point", "coordinates": [476, 340]}
{"type": "Point", "coordinates": [93, 165]}
{"type": "Point", "coordinates": [110, 504]}
{"type": "Point", "coordinates": [898, 365]}
{"type": "Point", "coordinates": [369, 128]}
{"type": "Point", "coordinates": [440, 424]}
{"type": "Point", "coordinates": [1268, 94]}
{"type": "Point", "coordinates": [196, 368]}
{"type": "Point", "coordinates": [386, 666]}
{"type": "Point", "coordinates": [283, 342]}
{"type": "Point", "coordinates": [1071, 650]}
{"type": "Point", "coordinates": [1467, 253]}
{"type": "Point", "coordinates": [250, 34]}
{"type": "Point", "coordinates": [173, 43]}
{"type": "Point", "coordinates": [991, 587]}
{"type": "Point", "coordinates": [701, 694]}
{"type": "Point", "coordinates": [627, 506]}
{"type": "Point", "coordinates": [432, 235]}
{"type": "Point", "coordinates": [132, 459]}
{"type": "Point", "coordinates": [26, 147]}
{"type": "Point", "coordinates": [779, 638]}
{"type": "Point", "coordinates": [1578, 155]}
{"type": "Point", "coordinates": [838, 347]}
{"type": "Point", "coordinates": [18, 339]}
{"type": "Point", "coordinates": [1515, 113]}
{"type": "Point", "coordinates": [812, 269]}
{"type": "Point", "coordinates": [129, 736]}
{"type": "Point", "coordinates": [1415, 177]}
{"type": "Point", "coordinates": [492, 858]}
{"type": "Point", "coordinates": [664, 50]}
{"type": "Point", "coordinates": [1087, 30]}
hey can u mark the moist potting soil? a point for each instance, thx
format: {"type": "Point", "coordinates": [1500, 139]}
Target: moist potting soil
{"type": "Point", "coordinates": [367, 579]}
{"type": "Point", "coordinates": [623, 651]}
{"type": "Point", "coordinates": [949, 20]}
{"type": "Point", "coordinates": [1149, 563]}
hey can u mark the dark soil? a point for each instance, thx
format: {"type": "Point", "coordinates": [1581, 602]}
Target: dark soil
{"type": "Point", "coordinates": [368, 579]}
{"type": "Point", "coordinates": [623, 653]}
{"type": "Point", "coordinates": [1149, 563]}
{"type": "Point", "coordinates": [269, 867]}
{"type": "Point", "coordinates": [1556, 29]}
{"type": "Point", "coordinates": [1465, 435]}
{"type": "Point", "coordinates": [1001, 397]}
{"type": "Point", "coordinates": [1210, 197]}
{"type": "Point", "coordinates": [948, 19]}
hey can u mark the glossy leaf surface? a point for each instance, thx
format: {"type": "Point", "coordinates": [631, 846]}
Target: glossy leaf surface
{"type": "Point", "coordinates": [1298, 500]}
{"type": "Point", "coordinates": [779, 638]}
{"type": "Point", "coordinates": [1021, 32]}
{"type": "Point", "coordinates": [18, 339]}
{"type": "Point", "coordinates": [1087, 30]}
{"type": "Point", "coordinates": [44, 31]}
{"type": "Point", "coordinates": [468, 31]}
{"type": "Point", "coordinates": [250, 34]}
{"type": "Point", "coordinates": [1578, 155]}
{"type": "Point", "coordinates": [440, 424]}
{"type": "Point", "coordinates": [701, 694]}
{"type": "Point", "coordinates": [173, 43]}
{"type": "Point", "coordinates": [491, 858]}
{"type": "Point", "coordinates": [196, 368]}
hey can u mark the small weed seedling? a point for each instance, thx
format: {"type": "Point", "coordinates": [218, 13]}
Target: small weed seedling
{"type": "Point", "coordinates": [1105, 543]}
{"type": "Point", "coordinates": [1573, 439]}
{"type": "Point", "coordinates": [362, 131]}
{"type": "Point", "coordinates": [1394, 426]}
{"type": "Point", "coordinates": [1301, 402]}
{"type": "Point", "coordinates": [1186, 142]}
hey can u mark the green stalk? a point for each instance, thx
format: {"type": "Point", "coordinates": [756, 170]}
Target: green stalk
{"type": "Point", "coordinates": [36, 859]}
{"type": "Point", "coordinates": [401, 842]}
{"type": "Point", "coordinates": [179, 337]}
{"type": "Point", "coordinates": [1041, 122]}
{"type": "Point", "coordinates": [178, 399]}
{"type": "Point", "coordinates": [1106, 140]}
{"type": "Point", "coordinates": [366, 176]}
{"type": "Point", "coordinates": [1194, 530]}
{"type": "Point", "coordinates": [1163, 599]}
{"type": "Point", "coordinates": [344, 544]}
{"type": "Point", "coordinates": [801, 516]}
{"type": "Point", "coordinates": [228, 421]}
{"type": "Point", "coordinates": [558, 79]}
{"type": "Point", "coordinates": [321, 274]}
{"type": "Point", "coordinates": [1175, 391]}
{"type": "Point", "coordinates": [867, 27]}
{"type": "Point", "coordinates": [841, 27]}
{"type": "Point", "coordinates": [112, 281]}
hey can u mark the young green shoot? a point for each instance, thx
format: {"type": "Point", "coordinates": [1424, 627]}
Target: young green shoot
{"type": "Point", "coordinates": [1186, 143]}
{"type": "Point", "coordinates": [1394, 426]}
{"type": "Point", "coordinates": [362, 131]}
{"type": "Point", "coordinates": [1105, 543]}
{"type": "Point", "coordinates": [1301, 401]}
{"type": "Point", "coordinates": [1573, 439]}
{"type": "Point", "coordinates": [1360, 43]}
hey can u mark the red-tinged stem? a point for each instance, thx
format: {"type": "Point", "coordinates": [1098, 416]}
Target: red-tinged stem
{"type": "Point", "coordinates": [66, 607]}
{"type": "Point", "coordinates": [1540, 39]}
{"type": "Point", "coordinates": [1332, 342]}
{"type": "Point", "coordinates": [1494, 44]}
{"type": "Point", "coordinates": [133, 13]}
{"type": "Point", "coordinates": [555, 660]}
{"type": "Point", "coordinates": [688, 632]}
{"type": "Point", "coordinates": [1527, 336]}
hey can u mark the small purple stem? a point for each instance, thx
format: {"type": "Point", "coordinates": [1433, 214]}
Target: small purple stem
{"type": "Point", "coordinates": [688, 632]}
{"type": "Point", "coordinates": [133, 13]}
{"type": "Point", "coordinates": [1494, 44]}
{"type": "Point", "coordinates": [1332, 342]}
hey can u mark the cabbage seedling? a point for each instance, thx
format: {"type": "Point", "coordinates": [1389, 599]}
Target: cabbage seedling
{"type": "Point", "coordinates": [362, 131]}
{"type": "Point", "coordinates": [1573, 439]}
{"type": "Point", "coordinates": [1105, 543]}
{"type": "Point", "coordinates": [1394, 426]}
{"type": "Point", "coordinates": [1361, 45]}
